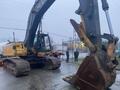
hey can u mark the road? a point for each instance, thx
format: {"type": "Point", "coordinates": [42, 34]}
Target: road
{"type": "Point", "coordinates": [43, 79]}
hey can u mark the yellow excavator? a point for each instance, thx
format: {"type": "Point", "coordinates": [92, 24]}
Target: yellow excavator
{"type": "Point", "coordinates": [97, 71]}
{"type": "Point", "coordinates": [36, 50]}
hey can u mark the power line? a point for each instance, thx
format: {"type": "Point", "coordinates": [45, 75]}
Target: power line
{"type": "Point", "coordinates": [20, 29]}
{"type": "Point", "coordinates": [12, 28]}
{"type": "Point", "coordinates": [55, 34]}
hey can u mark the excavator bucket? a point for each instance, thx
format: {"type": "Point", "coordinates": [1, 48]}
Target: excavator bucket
{"type": "Point", "coordinates": [97, 71]}
{"type": "Point", "coordinates": [90, 76]}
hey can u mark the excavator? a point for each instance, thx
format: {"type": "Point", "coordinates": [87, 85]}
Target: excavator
{"type": "Point", "coordinates": [36, 50]}
{"type": "Point", "coordinates": [98, 69]}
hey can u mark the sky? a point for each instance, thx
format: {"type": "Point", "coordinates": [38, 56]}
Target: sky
{"type": "Point", "coordinates": [14, 14]}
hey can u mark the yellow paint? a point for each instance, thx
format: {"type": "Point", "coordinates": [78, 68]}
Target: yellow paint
{"type": "Point", "coordinates": [14, 49]}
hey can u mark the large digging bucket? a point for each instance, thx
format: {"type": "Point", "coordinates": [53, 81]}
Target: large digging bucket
{"type": "Point", "coordinates": [91, 75]}
{"type": "Point", "coordinates": [97, 71]}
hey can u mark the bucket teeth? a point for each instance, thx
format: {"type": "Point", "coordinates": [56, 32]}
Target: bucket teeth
{"type": "Point", "coordinates": [91, 75]}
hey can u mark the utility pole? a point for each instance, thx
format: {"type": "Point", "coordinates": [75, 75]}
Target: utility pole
{"type": "Point", "coordinates": [14, 37]}
{"type": "Point", "coordinates": [74, 40]}
{"type": "Point", "coordinates": [74, 43]}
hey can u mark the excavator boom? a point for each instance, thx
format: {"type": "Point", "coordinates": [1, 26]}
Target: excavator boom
{"type": "Point", "coordinates": [36, 14]}
{"type": "Point", "coordinates": [88, 10]}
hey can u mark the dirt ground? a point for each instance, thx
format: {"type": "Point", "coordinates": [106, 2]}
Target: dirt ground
{"type": "Point", "coordinates": [44, 80]}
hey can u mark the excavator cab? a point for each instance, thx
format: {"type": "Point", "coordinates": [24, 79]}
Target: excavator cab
{"type": "Point", "coordinates": [42, 42]}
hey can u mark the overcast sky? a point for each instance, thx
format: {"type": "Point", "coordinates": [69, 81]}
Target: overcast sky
{"type": "Point", "coordinates": [14, 14]}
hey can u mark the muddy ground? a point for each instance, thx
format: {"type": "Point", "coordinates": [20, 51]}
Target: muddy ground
{"type": "Point", "coordinates": [44, 80]}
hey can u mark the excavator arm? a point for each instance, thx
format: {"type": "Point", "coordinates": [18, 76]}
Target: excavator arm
{"type": "Point", "coordinates": [97, 71]}
{"type": "Point", "coordinates": [88, 10]}
{"type": "Point", "coordinates": [36, 14]}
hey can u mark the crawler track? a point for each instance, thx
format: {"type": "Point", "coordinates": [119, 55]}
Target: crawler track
{"type": "Point", "coordinates": [16, 66]}
{"type": "Point", "coordinates": [52, 63]}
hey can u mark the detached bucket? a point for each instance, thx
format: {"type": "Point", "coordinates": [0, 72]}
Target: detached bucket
{"type": "Point", "coordinates": [91, 76]}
